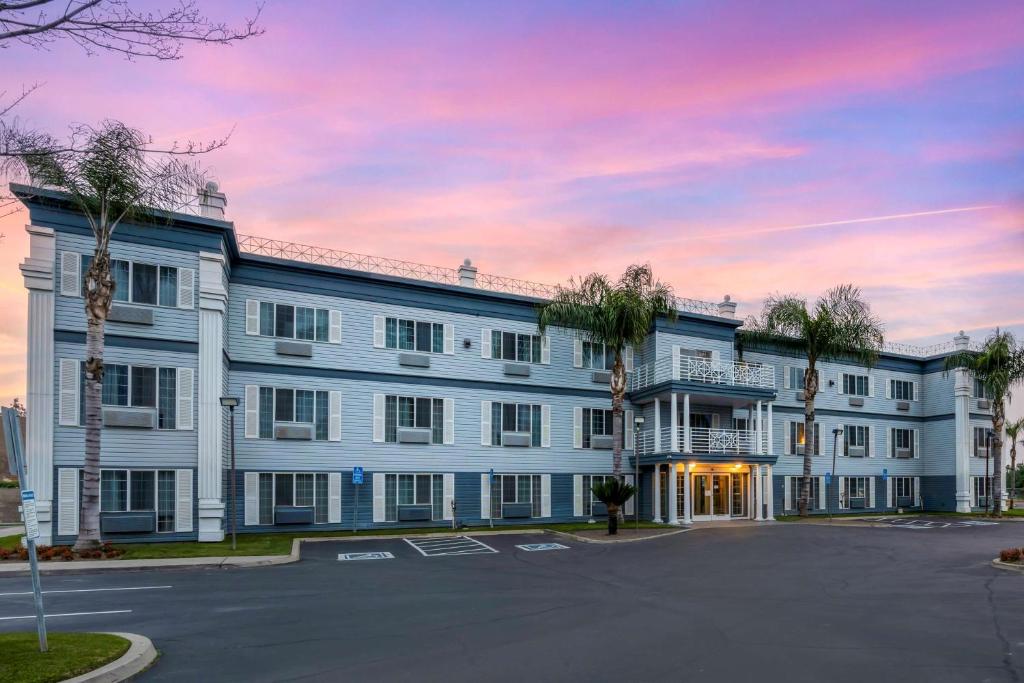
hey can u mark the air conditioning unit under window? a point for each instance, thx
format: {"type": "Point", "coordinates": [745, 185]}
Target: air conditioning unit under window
{"type": "Point", "coordinates": [799, 449]}
{"type": "Point", "coordinates": [856, 451]}
{"type": "Point", "coordinates": [904, 453]}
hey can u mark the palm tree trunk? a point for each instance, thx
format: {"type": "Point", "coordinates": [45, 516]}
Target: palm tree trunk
{"type": "Point", "coordinates": [1013, 472]}
{"type": "Point", "coordinates": [810, 391]}
{"type": "Point", "coordinates": [98, 294]}
{"type": "Point", "coordinates": [618, 387]}
{"type": "Point", "coordinates": [613, 520]}
{"type": "Point", "coordinates": [995, 485]}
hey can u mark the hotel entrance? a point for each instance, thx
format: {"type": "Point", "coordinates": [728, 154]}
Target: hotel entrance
{"type": "Point", "coordinates": [719, 496]}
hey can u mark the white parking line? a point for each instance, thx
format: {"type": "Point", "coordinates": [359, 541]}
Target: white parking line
{"type": "Point", "coordinates": [70, 614]}
{"type": "Point", "coordinates": [459, 545]}
{"type": "Point", "coordinates": [93, 590]}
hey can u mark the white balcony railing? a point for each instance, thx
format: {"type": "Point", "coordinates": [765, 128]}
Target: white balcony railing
{"type": "Point", "coordinates": [702, 440]}
{"type": "Point", "coordinates": [692, 369]}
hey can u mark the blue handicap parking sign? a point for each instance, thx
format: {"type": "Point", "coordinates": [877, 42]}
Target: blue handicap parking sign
{"type": "Point", "coordinates": [828, 478]}
{"type": "Point", "coordinates": [885, 474]}
{"type": "Point", "coordinates": [357, 475]}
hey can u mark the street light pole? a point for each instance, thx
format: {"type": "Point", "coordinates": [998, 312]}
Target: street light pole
{"type": "Point", "coordinates": [231, 402]}
{"type": "Point", "coordinates": [639, 420]}
{"type": "Point", "coordinates": [988, 478]}
{"type": "Point", "coordinates": [835, 449]}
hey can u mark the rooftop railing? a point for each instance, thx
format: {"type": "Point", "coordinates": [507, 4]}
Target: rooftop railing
{"type": "Point", "coordinates": [926, 351]}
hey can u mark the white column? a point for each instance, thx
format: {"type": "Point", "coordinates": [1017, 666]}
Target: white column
{"type": "Point", "coordinates": [38, 272]}
{"type": "Point", "coordinates": [674, 437]}
{"type": "Point", "coordinates": [656, 487]}
{"type": "Point", "coordinates": [769, 494]}
{"type": "Point", "coordinates": [750, 493]}
{"type": "Point", "coordinates": [758, 430]}
{"type": "Point", "coordinates": [673, 511]}
{"type": "Point", "coordinates": [771, 447]}
{"type": "Point", "coordinates": [688, 441]}
{"type": "Point", "coordinates": [687, 495]}
{"type": "Point", "coordinates": [657, 425]}
{"type": "Point", "coordinates": [213, 300]}
{"type": "Point", "coordinates": [758, 494]}
{"type": "Point", "coordinates": [962, 422]}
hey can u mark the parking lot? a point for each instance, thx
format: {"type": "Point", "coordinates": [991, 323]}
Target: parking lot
{"type": "Point", "coordinates": [932, 522]}
{"type": "Point", "coordinates": [787, 602]}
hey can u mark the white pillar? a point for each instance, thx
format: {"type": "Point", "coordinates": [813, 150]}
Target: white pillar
{"type": "Point", "coordinates": [213, 300]}
{"type": "Point", "coordinates": [687, 495]}
{"type": "Point", "coordinates": [657, 425]}
{"type": "Point", "coordinates": [38, 271]}
{"type": "Point", "coordinates": [771, 447]}
{"type": "Point", "coordinates": [962, 422]}
{"type": "Point", "coordinates": [750, 493]}
{"type": "Point", "coordinates": [688, 441]}
{"type": "Point", "coordinates": [769, 494]}
{"type": "Point", "coordinates": [673, 491]}
{"type": "Point", "coordinates": [758, 494]}
{"type": "Point", "coordinates": [674, 437]}
{"type": "Point", "coordinates": [656, 487]}
{"type": "Point", "coordinates": [758, 430]}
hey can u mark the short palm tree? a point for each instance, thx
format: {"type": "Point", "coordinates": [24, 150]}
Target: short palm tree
{"type": "Point", "coordinates": [999, 366]}
{"type": "Point", "coordinates": [1014, 430]}
{"type": "Point", "coordinates": [616, 315]}
{"type": "Point", "coordinates": [839, 327]}
{"type": "Point", "coordinates": [614, 493]}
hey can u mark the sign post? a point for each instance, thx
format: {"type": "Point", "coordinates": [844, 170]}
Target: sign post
{"type": "Point", "coordinates": [828, 485]}
{"type": "Point", "coordinates": [357, 481]}
{"type": "Point", "coordinates": [13, 440]}
{"type": "Point", "coordinates": [490, 491]}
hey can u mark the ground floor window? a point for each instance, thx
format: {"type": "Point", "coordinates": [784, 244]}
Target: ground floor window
{"type": "Point", "coordinates": [589, 481]}
{"type": "Point", "coordinates": [980, 491]}
{"type": "Point", "coordinates": [856, 492]}
{"type": "Point", "coordinates": [515, 488]}
{"type": "Point", "coordinates": [795, 488]}
{"type": "Point", "coordinates": [903, 490]}
{"type": "Point", "coordinates": [292, 489]}
{"type": "Point", "coordinates": [140, 491]}
{"type": "Point", "coordinates": [413, 489]}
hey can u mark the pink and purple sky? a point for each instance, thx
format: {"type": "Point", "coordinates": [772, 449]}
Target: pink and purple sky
{"type": "Point", "coordinates": [739, 147]}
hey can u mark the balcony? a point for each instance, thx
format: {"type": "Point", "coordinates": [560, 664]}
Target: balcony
{"type": "Point", "coordinates": [703, 440]}
{"type": "Point", "coordinates": [691, 369]}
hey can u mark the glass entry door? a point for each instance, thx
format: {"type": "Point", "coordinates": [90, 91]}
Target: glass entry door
{"type": "Point", "coordinates": [712, 494]}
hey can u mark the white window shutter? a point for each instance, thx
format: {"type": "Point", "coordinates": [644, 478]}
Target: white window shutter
{"type": "Point", "coordinates": [577, 495]}
{"type": "Point", "coordinates": [70, 377]}
{"type": "Point", "coordinates": [716, 422]}
{"type": "Point", "coordinates": [676, 353]}
{"type": "Point", "coordinates": [334, 498]}
{"type": "Point", "coordinates": [449, 338]}
{"type": "Point", "coordinates": [378, 332]}
{"type": "Point", "coordinates": [185, 389]}
{"type": "Point", "coordinates": [869, 441]}
{"type": "Point", "coordinates": [841, 441]}
{"type": "Point", "coordinates": [839, 382]}
{"type": "Point", "coordinates": [186, 288]}
{"type": "Point", "coordinates": [630, 507]}
{"type": "Point", "coordinates": [252, 411]}
{"type": "Point", "coordinates": [889, 483]}
{"type": "Point", "coordinates": [628, 430]}
{"type": "Point", "coordinates": [183, 506]}
{"type": "Point", "coordinates": [545, 426]}
{"type": "Point", "coordinates": [786, 441]}
{"type": "Point", "coordinates": [888, 442]}
{"type": "Point", "coordinates": [787, 493]}
{"type": "Point", "coordinates": [485, 423]}
{"type": "Point", "coordinates": [485, 496]}
{"type": "Point", "coordinates": [378, 497]}
{"type": "Point", "coordinates": [252, 317]}
{"type": "Point", "coordinates": [334, 416]}
{"type": "Point", "coordinates": [888, 388]}
{"type": "Point", "coordinates": [786, 370]}
{"type": "Point", "coordinates": [577, 427]}
{"type": "Point", "coordinates": [449, 421]}
{"type": "Point", "coordinates": [822, 493]}
{"type": "Point", "coordinates": [843, 502]}
{"type": "Point", "coordinates": [871, 385]}
{"type": "Point", "coordinates": [871, 492]}
{"type": "Point", "coordinates": [545, 350]}
{"type": "Point", "coordinates": [545, 495]}
{"type": "Point", "coordinates": [485, 342]}
{"type": "Point", "coordinates": [334, 327]}
{"type": "Point", "coordinates": [916, 390]}
{"type": "Point", "coordinates": [67, 501]}
{"type": "Point", "coordinates": [448, 491]}
{"type": "Point", "coordinates": [70, 277]}
{"type": "Point", "coordinates": [252, 498]}
{"type": "Point", "coordinates": [917, 491]}
{"type": "Point", "coordinates": [917, 443]}
{"type": "Point", "coordinates": [577, 353]}
{"type": "Point", "coordinates": [627, 358]}
{"type": "Point", "coordinates": [378, 418]}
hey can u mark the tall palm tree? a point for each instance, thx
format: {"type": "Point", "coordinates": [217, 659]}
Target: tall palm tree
{"type": "Point", "coordinates": [839, 327]}
{"type": "Point", "coordinates": [614, 493]}
{"type": "Point", "coordinates": [999, 366]}
{"type": "Point", "coordinates": [616, 315]}
{"type": "Point", "coordinates": [1013, 431]}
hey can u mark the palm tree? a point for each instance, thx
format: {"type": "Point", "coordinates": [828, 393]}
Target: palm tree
{"type": "Point", "coordinates": [1013, 431]}
{"type": "Point", "coordinates": [614, 493]}
{"type": "Point", "coordinates": [840, 327]}
{"type": "Point", "coordinates": [998, 367]}
{"type": "Point", "coordinates": [615, 315]}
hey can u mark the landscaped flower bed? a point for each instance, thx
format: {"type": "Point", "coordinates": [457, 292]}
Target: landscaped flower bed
{"type": "Point", "coordinates": [61, 552]}
{"type": "Point", "coordinates": [1011, 555]}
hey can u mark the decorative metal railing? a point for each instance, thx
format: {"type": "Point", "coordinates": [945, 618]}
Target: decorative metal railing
{"type": "Point", "coordinates": [926, 351]}
{"type": "Point", "coordinates": [702, 440]}
{"type": "Point", "coordinates": [689, 368]}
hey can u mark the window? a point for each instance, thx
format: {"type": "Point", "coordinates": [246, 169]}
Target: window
{"type": "Point", "coordinates": [797, 378]}
{"type": "Point", "coordinates": [856, 492]}
{"type": "Point", "coordinates": [596, 356]}
{"type": "Point", "coordinates": [589, 481]}
{"type": "Point", "coordinates": [413, 489]}
{"type": "Point", "coordinates": [980, 490]}
{"type": "Point", "coordinates": [596, 422]}
{"type": "Point", "coordinates": [515, 488]}
{"type": "Point", "coordinates": [412, 335]}
{"type": "Point", "coordinates": [982, 442]}
{"type": "Point", "coordinates": [294, 322]}
{"type": "Point", "coordinates": [523, 418]}
{"type": "Point", "coordinates": [408, 412]}
{"type": "Point", "coordinates": [140, 491]}
{"type": "Point", "coordinates": [512, 346]}
{"type": "Point", "coordinates": [903, 489]}
{"type": "Point", "coordinates": [797, 442]}
{"type": "Point", "coordinates": [795, 484]}
{"type": "Point", "coordinates": [293, 406]}
{"type": "Point", "coordinates": [140, 283]}
{"type": "Point", "coordinates": [292, 489]}
{"type": "Point", "coordinates": [901, 390]}
{"type": "Point", "coordinates": [857, 443]}
{"type": "Point", "coordinates": [856, 385]}
{"type": "Point", "coordinates": [136, 386]}
{"type": "Point", "coordinates": [980, 390]}
{"type": "Point", "coordinates": [902, 443]}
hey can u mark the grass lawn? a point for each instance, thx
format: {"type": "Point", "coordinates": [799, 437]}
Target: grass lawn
{"type": "Point", "coordinates": [70, 654]}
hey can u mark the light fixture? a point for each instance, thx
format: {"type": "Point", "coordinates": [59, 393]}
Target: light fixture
{"type": "Point", "coordinates": [229, 401]}
{"type": "Point", "coordinates": [639, 419]}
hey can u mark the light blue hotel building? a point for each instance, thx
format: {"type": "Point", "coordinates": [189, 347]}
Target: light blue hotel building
{"type": "Point", "coordinates": [430, 380]}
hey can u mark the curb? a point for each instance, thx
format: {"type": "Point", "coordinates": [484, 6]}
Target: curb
{"type": "Point", "coordinates": [1008, 566]}
{"type": "Point", "coordinates": [584, 539]}
{"type": "Point", "coordinates": [139, 657]}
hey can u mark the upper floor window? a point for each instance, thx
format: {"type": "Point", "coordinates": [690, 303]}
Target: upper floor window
{"type": "Point", "coordinates": [597, 356]}
{"type": "Point", "coordinates": [139, 283]}
{"type": "Point", "coordinates": [523, 418]}
{"type": "Point", "coordinates": [982, 442]}
{"type": "Point", "coordinates": [281, 406]}
{"type": "Point", "coordinates": [135, 386]}
{"type": "Point", "coordinates": [903, 443]}
{"type": "Point", "coordinates": [796, 378]}
{"type": "Point", "coordinates": [856, 385]}
{"type": "Point", "coordinates": [596, 422]}
{"type": "Point", "coordinates": [980, 390]}
{"type": "Point", "coordinates": [294, 322]}
{"type": "Point", "coordinates": [413, 413]}
{"type": "Point", "coordinates": [901, 390]}
{"type": "Point", "coordinates": [858, 441]}
{"type": "Point", "coordinates": [797, 441]}
{"type": "Point", "coordinates": [514, 346]}
{"type": "Point", "coordinates": [413, 335]}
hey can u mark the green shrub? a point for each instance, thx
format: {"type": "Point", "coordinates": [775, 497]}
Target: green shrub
{"type": "Point", "coordinates": [8, 483]}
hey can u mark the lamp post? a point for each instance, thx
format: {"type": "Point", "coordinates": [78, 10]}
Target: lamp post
{"type": "Point", "coordinates": [988, 478]}
{"type": "Point", "coordinates": [637, 423]}
{"type": "Point", "coordinates": [835, 449]}
{"type": "Point", "coordinates": [230, 402]}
